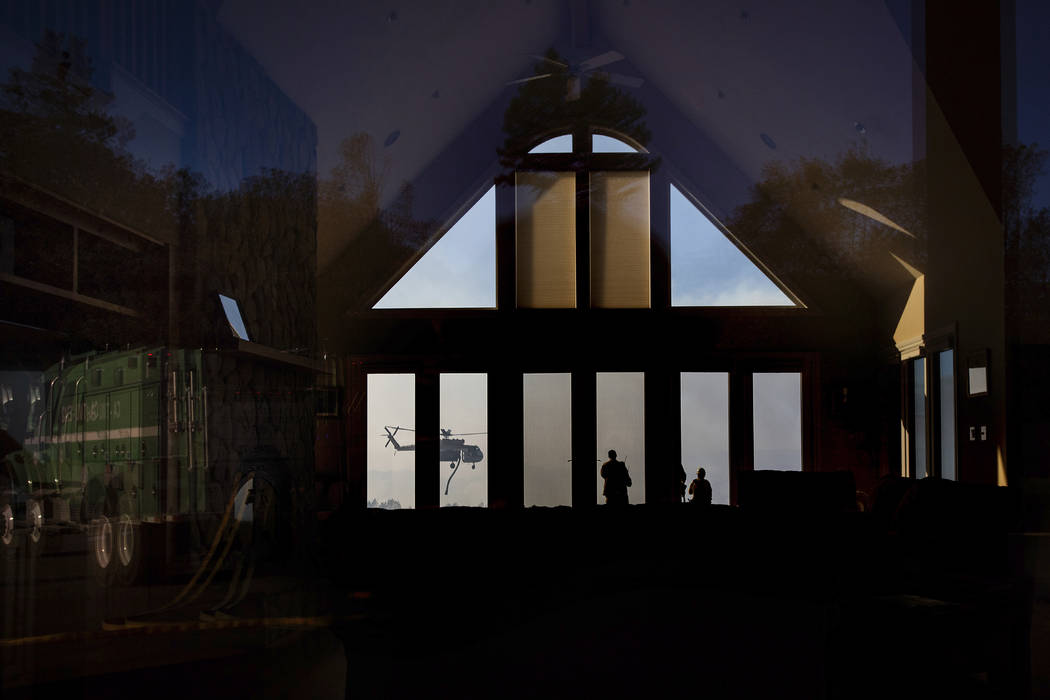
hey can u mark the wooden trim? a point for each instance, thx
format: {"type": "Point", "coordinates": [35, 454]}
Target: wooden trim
{"type": "Point", "coordinates": [428, 446]}
{"type": "Point", "coordinates": [741, 427]}
{"type": "Point", "coordinates": [264, 352]}
{"type": "Point", "coordinates": [67, 294]}
{"type": "Point", "coordinates": [584, 436]}
{"type": "Point", "coordinates": [70, 213]}
{"type": "Point", "coordinates": [506, 487]}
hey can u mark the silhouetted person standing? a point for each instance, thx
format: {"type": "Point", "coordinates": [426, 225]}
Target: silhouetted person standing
{"type": "Point", "coordinates": [700, 489]}
{"type": "Point", "coordinates": [681, 483]}
{"type": "Point", "coordinates": [617, 481]}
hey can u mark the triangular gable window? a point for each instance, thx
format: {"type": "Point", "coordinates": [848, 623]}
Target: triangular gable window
{"type": "Point", "coordinates": [459, 271]}
{"type": "Point", "coordinates": [708, 269]}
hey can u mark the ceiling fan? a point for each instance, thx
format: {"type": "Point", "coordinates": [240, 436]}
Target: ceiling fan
{"type": "Point", "coordinates": [576, 72]}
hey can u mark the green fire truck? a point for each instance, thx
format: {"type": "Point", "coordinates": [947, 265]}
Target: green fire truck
{"type": "Point", "coordinates": [124, 446]}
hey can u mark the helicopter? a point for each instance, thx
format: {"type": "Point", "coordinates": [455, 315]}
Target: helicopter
{"type": "Point", "coordinates": [452, 449]}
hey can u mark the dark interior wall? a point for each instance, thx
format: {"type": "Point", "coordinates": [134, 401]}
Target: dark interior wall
{"type": "Point", "coordinates": [851, 394]}
{"type": "Point", "coordinates": [258, 246]}
{"type": "Point", "coordinates": [965, 273]}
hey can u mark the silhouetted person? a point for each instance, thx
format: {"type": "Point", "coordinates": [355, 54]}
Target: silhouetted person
{"type": "Point", "coordinates": [617, 481]}
{"type": "Point", "coordinates": [681, 483]}
{"type": "Point", "coordinates": [700, 489]}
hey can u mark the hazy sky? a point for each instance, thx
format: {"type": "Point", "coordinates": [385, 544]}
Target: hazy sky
{"type": "Point", "coordinates": [459, 271]}
{"type": "Point", "coordinates": [548, 439]}
{"type": "Point", "coordinates": [464, 409]}
{"type": "Point", "coordinates": [778, 420]}
{"type": "Point", "coordinates": [707, 269]}
{"type": "Point", "coordinates": [621, 427]}
{"type": "Point", "coordinates": [391, 474]}
{"type": "Point", "coordinates": [705, 429]}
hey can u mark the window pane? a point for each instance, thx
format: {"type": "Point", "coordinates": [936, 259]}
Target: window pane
{"type": "Point", "coordinates": [946, 361]}
{"type": "Point", "coordinates": [548, 439]}
{"type": "Point", "coordinates": [459, 271]}
{"type": "Point", "coordinates": [600, 143]}
{"type": "Point", "coordinates": [707, 269]}
{"type": "Point", "coordinates": [464, 447]}
{"type": "Point", "coordinates": [545, 205]}
{"type": "Point", "coordinates": [778, 420]}
{"type": "Point", "coordinates": [558, 144]}
{"type": "Point", "coordinates": [705, 429]}
{"type": "Point", "coordinates": [620, 240]}
{"type": "Point", "coordinates": [391, 475]}
{"type": "Point", "coordinates": [621, 427]}
{"type": "Point", "coordinates": [919, 418]}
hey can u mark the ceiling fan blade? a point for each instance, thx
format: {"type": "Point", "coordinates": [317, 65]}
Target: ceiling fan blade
{"type": "Point", "coordinates": [526, 80]}
{"type": "Point", "coordinates": [601, 60]}
{"type": "Point", "coordinates": [618, 79]}
{"type": "Point", "coordinates": [548, 60]}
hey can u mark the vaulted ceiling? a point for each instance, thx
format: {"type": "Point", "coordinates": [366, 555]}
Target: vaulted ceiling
{"type": "Point", "coordinates": [817, 104]}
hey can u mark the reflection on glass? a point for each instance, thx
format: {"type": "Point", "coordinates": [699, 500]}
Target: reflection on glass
{"type": "Point", "coordinates": [705, 429]}
{"type": "Point", "coordinates": [919, 418]}
{"type": "Point", "coordinates": [464, 440]}
{"type": "Point", "coordinates": [546, 239]}
{"type": "Point", "coordinates": [558, 144]}
{"type": "Point", "coordinates": [778, 420]}
{"type": "Point", "coordinates": [459, 271]}
{"type": "Point", "coordinates": [946, 362]}
{"type": "Point", "coordinates": [391, 475]}
{"type": "Point", "coordinates": [620, 240]}
{"type": "Point", "coordinates": [233, 317]}
{"type": "Point", "coordinates": [600, 143]}
{"type": "Point", "coordinates": [621, 427]}
{"type": "Point", "coordinates": [547, 406]}
{"type": "Point", "coordinates": [707, 269]}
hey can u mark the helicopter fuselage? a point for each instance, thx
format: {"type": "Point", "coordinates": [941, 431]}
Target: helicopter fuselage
{"type": "Point", "coordinates": [453, 449]}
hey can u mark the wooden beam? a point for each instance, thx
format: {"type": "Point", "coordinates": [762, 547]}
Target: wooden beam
{"type": "Point", "coordinates": [67, 294]}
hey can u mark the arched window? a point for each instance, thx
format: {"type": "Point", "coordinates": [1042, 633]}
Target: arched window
{"type": "Point", "coordinates": [607, 193]}
{"type": "Point", "coordinates": [557, 144]}
{"type": "Point", "coordinates": [601, 143]}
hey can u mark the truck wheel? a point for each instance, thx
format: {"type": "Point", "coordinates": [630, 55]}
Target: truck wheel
{"type": "Point", "coordinates": [7, 526]}
{"type": "Point", "coordinates": [34, 527]}
{"type": "Point", "coordinates": [129, 550]}
{"type": "Point", "coordinates": [8, 541]}
{"type": "Point", "coordinates": [102, 550]}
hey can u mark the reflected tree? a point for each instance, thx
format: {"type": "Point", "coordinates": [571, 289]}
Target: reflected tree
{"type": "Point", "coordinates": [549, 106]}
{"type": "Point", "coordinates": [1027, 232]}
{"type": "Point", "coordinates": [362, 244]}
{"type": "Point", "coordinates": [56, 132]}
{"type": "Point", "coordinates": [821, 222]}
